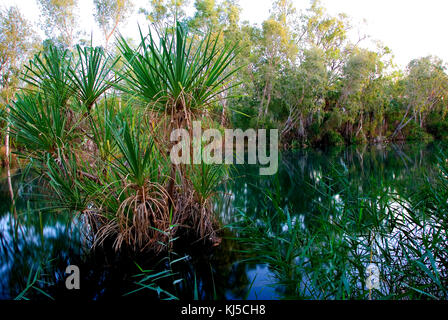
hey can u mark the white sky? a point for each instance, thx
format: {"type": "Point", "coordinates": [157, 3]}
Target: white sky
{"type": "Point", "coordinates": [411, 28]}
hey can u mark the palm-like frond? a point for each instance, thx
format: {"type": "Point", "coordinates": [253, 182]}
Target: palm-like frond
{"type": "Point", "coordinates": [177, 67]}
{"type": "Point", "coordinates": [49, 73]}
{"type": "Point", "coordinates": [90, 76]}
{"type": "Point", "coordinates": [100, 125]}
{"type": "Point", "coordinates": [39, 124]}
{"type": "Point", "coordinates": [139, 159]}
{"type": "Point", "coordinates": [62, 175]}
{"type": "Point", "coordinates": [206, 179]}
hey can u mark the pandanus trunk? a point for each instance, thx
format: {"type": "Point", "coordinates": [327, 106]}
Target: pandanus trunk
{"type": "Point", "coordinates": [179, 120]}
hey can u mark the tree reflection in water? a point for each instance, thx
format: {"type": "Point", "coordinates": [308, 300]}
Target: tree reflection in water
{"type": "Point", "coordinates": [309, 232]}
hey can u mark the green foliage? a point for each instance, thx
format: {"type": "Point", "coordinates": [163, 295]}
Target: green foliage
{"type": "Point", "coordinates": [138, 160]}
{"type": "Point", "coordinates": [33, 283]}
{"type": "Point", "coordinates": [178, 72]}
{"type": "Point", "coordinates": [165, 13]}
{"type": "Point", "coordinates": [413, 132]}
{"type": "Point", "coordinates": [437, 126]}
{"type": "Point", "coordinates": [40, 125]}
{"type": "Point", "coordinates": [16, 43]}
{"type": "Point", "coordinates": [295, 70]}
{"type": "Point", "coordinates": [101, 122]}
{"type": "Point", "coordinates": [62, 175]}
{"type": "Point", "coordinates": [112, 162]}
{"type": "Point", "coordinates": [206, 179]}
{"type": "Point", "coordinates": [325, 254]}
{"type": "Point", "coordinates": [332, 138]}
{"type": "Point", "coordinates": [90, 76]}
{"type": "Point", "coordinates": [109, 14]}
{"type": "Point", "coordinates": [60, 20]}
{"type": "Point", "coordinates": [50, 74]}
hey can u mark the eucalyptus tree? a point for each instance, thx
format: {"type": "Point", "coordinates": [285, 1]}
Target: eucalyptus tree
{"type": "Point", "coordinates": [163, 13]}
{"type": "Point", "coordinates": [361, 69]}
{"type": "Point", "coordinates": [427, 86]}
{"type": "Point", "coordinates": [206, 16]}
{"type": "Point", "coordinates": [278, 49]}
{"type": "Point", "coordinates": [17, 40]}
{"type": "Point", "coordinates": [109, 14]}
{"type": "Point", "coordinates": [319, 29]}
{"type": "Point", "coordinates": [16, 43]}
{"type": "Point", "coordinates": [60, 16]}
{"type": "Point", "coordinates": [303, 90]}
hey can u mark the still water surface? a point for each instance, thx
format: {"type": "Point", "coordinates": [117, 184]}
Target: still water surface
{"type": "Point", "coordinates": [45, 243]}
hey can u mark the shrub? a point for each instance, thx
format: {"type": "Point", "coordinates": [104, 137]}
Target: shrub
{"type": "Point", "coordinates": [332, 138]}
{"type": "Point", "coordinates": [437, 127]}
{"type": "Point", "coordinates": [413, 132]}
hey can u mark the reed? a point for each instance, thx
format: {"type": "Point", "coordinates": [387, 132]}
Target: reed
{"type": "Point", "coordinates": [327, 256]}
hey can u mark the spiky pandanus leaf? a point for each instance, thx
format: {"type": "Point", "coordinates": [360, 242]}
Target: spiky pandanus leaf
{"type": "Point", "coordinates": [38, 124]}
{"type": "Point", "coordinates": [177, 68]}
{"type": "Point", "coordinates": [90, 77]}
{"type": "Point", "coordinates": [49, 74]}
{"type": "Point", "coordinates": [138, 159]}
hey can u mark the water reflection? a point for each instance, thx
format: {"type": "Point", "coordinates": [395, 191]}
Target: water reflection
{"type": "Point", "coordinates": [304, 244]}
{"type": "Point", "coordinates": [30, 244]}
{"type": "Point", "coordinates": [328, 215]}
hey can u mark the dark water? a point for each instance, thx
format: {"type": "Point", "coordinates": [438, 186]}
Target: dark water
{"type": "Point", "coordinates": [35, 253]}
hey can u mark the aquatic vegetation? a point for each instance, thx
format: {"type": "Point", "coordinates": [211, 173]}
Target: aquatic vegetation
{"type": "Point", "coordinates": [328, 233]}
{"type": "Point", "coordinates": [107, 157]}
{"type": "Point", "coordinates": [332, 254]}
{"type": "Point", "coordinates": [150, 279]}
{"type": "Point", "coordinates": [32, 283]}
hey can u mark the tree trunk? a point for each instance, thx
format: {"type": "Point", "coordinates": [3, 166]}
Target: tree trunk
{"type": "Point", "coordinates": [223, 114]}
{"type": "Point", "coordinates": [268, 102]}
{"type": "Point", "coordinates": [260, 110]}
{"type": "Point", "coordinates": [402, 122]}
{"type": "Point", "coordinates": [8, 162]}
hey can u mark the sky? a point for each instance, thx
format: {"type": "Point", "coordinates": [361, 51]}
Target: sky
{"type": "Point", "coordinates": [411, 28]}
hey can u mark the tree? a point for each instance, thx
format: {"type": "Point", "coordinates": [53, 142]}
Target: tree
{"type": "Point", "coordinates": [427, 85]}
{"type": "Point", "coordinates": [60, 15]}
{"type": "Point", "coordinates": [278, 49]}
{"type": "Point", "coordinates": [206, 16]}
{"type": "Point", "coordinates": [109, 14]}
{"type": "Point", "coordinates": [362, 68]}
{"type": "Point", "coordinates": [164, 12]}
{"type": "Point", "coordinates": [303, 90]}
{"type": "Point", "coordinates": [16, 43]}
{"type": "Point", "coordinates": [321, 30]}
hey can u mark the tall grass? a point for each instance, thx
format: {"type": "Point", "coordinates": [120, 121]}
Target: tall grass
{"type": "Point", "coordinates": [327, 256]}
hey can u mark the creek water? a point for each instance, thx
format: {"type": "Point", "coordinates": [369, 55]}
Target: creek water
{"type": "Point", "coordinates": [36, 252]}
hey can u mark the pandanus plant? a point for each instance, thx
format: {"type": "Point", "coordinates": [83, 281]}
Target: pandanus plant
{"type": "Point", "coordinates": [90, 77]}
{"type": "Point", "coordinates": [179, 74]}
{"type": "Point", "coordinates": [40, 124]}
{"type": "Point", "coordinates": [179, 77]}
{"type": "Point", "coordinates": [111, 164]}
{"type": "Point", "coordinates": [49, 74]}
{"type": "Point", "coordinates": [55, 73]}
